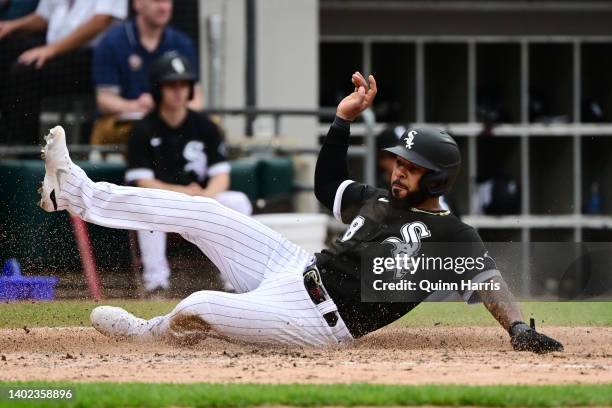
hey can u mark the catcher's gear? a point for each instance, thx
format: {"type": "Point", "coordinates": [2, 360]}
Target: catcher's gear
{"type": "Point", "coordinates": [434, 150]}
{"type": "Point", "coordinates": [172, 66]}
{"type": "Point", "coordinates": [525, 338]}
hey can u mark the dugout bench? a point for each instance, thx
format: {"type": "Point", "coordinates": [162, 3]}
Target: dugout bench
{"type": "Point", "coordinates": [44, 242]}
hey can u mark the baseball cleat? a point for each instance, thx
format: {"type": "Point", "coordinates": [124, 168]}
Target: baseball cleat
{"type": "Point", "coordinates": [57, 167]}
{"type": "Point", "coordinates": [116, 322]}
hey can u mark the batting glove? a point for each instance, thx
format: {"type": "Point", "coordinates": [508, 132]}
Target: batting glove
{"type": "Point", "coordinates": [525, 338]}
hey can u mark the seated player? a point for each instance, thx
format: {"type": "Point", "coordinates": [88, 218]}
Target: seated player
{"type": "Point", "coordinates": [176, 149]}
{"type": "Point", "coordinates": [284, 294]}
{"type": "Point", "coordinates": [48, 53]}
{"type": "Point", "coordinates": [121, 65]}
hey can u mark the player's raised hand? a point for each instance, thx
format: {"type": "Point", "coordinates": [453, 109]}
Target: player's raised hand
{"type": "Point", "coordinates": [362, 97]}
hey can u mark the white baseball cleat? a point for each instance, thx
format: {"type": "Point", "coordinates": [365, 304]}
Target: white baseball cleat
{"type": "Point", "coordinates": [57, 167]}
{"type": "Point", "coordinates": [117, 322]}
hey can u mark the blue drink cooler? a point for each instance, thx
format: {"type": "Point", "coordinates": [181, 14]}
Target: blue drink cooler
{"type": "Point", "coordinates": [13, 286]}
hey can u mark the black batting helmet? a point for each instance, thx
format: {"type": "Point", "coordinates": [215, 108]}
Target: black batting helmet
{"type": "Point", "coordinates": [171, 66]}
{"type": "Point", "coordinates": [434, 150]}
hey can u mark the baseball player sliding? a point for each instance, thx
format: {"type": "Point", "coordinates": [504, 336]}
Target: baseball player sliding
{"type": "Point", "coordinates": [284, 294]}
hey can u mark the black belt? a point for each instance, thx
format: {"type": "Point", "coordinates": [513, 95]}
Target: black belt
{"type": "Point", "coordinates": [317, 292]}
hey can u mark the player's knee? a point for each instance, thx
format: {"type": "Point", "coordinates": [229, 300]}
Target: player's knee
{"type": "Point", "coordinates": [242, 204]}
{"type": "Point", "coordinates": [197, 303]}
{"type": "Point", "coordinates": [236, 200]}
{"type": "Point", "coordinates": [208, 202]}
{"type": "Point", "coordinates": [193, 313]}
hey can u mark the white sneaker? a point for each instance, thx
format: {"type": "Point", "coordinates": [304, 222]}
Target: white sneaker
{"type": "Point", "coordinates": [57, 167]}
{"type": "Point", "coordinates": [116, 322]}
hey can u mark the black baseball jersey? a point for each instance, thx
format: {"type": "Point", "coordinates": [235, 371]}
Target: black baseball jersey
{"type": "Point", "coordinates": [374, 222]}
{"type": "Point", "coordinates": [191, 152]}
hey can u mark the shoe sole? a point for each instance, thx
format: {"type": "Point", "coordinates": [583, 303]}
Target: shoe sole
{"type": "Point", "coordinates": [47, 193]}
{"type": "Point", "coordinates": [50, 184]}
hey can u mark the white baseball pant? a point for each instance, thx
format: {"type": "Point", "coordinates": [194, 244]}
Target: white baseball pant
{"type": "Point", "coordinates": [272, 304]}
{"type": "Point", "coordinates": [152, 244]}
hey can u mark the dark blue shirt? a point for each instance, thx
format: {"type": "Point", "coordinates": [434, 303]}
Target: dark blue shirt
{"type": "Point", "coordinates": [15, 9]}
{"type": "Point", "coordinates": [121, 61]}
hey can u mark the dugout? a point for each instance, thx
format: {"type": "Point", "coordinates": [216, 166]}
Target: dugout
{"type": "Point", "coordinates": [44, 242]}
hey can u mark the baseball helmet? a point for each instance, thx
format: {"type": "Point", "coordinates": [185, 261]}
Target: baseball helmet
{"type": "Point", "coordinates": [390, 136]}
{"type": "Point", "coordinates": [171, 66]}
{"type": "Point", "coordinates": [434, 150]}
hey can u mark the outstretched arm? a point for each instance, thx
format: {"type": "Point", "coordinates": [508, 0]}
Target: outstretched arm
{"type": "Point", "coordinates": [501, 304]}
{"type": "Point", "coordinates": [331, 169]}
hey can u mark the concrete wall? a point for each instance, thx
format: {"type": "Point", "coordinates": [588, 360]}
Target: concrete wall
{"type": "Point", "coordinates": [287, 38]}
{"type": "Point", "coordinates": [287, 63]}
{"type": "Point", "coordinates": [230, 85]}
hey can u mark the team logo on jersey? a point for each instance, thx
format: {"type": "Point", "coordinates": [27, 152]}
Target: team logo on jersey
{"type": "Point", "coordinates": [410, 139]}
{"type": "Point", "coordinates": [196, 158]}
{"type": "Point", "coordinates": [222, 149]}
{"type": "Point", "coordinates": [135, 62]}
{"type": "Point", "coordinates": [156, 141]}
{"type": "Point", "coordinates": [409, 244]}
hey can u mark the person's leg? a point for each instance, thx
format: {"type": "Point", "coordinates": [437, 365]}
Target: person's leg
{"type": "Point", "coordinates": [11, 48]}
{"type": "Point", "coordinates": [67, 74]}
{"type": "Point", "coordinates": [279, 311]}
{"type": "Point", "coordinates": [243, 249]}
{"type": "Point", "coordinates": [236, 200]}
{"type": "Point", "coordinates": [156, 270]}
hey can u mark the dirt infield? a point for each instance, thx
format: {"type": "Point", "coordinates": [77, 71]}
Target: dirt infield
{"type": "Point", "coordinates": [480, 355]}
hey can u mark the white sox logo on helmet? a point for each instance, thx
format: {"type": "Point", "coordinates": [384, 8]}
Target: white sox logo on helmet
{"type": "Point", "coordinates": [410, 139]}
{"type": "Point", "coordinates": [178, 65]}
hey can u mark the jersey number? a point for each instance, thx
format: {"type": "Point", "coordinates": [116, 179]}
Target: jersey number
{"type": "Point", "coordinates": [356, 224]}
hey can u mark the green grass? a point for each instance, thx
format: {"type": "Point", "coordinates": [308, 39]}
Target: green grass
{"type": "Point", "coordinates": [547, 313]}
{"type": "Point", "coordinates": [242, 395]}
{"type": "Point", "coordinates": [72, 312]}
{"type": "Point", "coordinates": [76, 313]}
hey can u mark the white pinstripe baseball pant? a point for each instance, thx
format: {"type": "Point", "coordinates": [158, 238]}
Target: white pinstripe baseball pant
{"type": "Point", "coordinates": [152, 244]}
{"type": "Point", "coordinates": [272, 304]}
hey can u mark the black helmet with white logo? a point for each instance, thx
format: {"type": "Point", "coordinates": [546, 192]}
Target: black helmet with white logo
{"type": "Point", "coordinates": [172, 66]}
{"type": "Point", "coordinates": [434, 150]}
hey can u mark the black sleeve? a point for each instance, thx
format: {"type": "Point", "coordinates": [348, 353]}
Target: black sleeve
{"type": "Point", "coordinates": [139, 161]}
{"type": "Point", "coordinates": [470, 246]}
{"type": "Point", "coordinates": [214, 148]}
{"type": "Point", "coordinates": [332, 185]}
{"type": "Point", "coordinates": [350, 200]}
